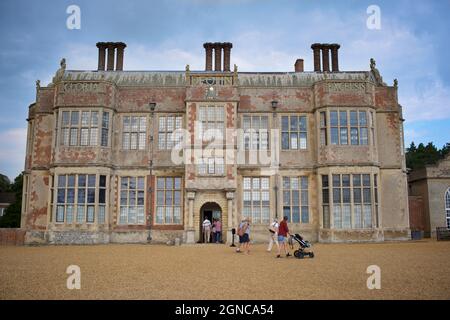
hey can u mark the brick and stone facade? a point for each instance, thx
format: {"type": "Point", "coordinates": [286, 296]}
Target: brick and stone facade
{"type": "Point", "coordinates": [431, 185]}
{"type": "Point", "coordinates": [99, 166]}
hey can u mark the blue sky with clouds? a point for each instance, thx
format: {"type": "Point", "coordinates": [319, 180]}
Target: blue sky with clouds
{"type": "Point", "coordinates": [268, 35]}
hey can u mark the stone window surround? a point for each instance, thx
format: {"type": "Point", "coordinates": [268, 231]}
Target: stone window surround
{"type": "Point", "coordinates": [59, 126]}
{"type": "Point", "coordinates": [253, 131]}
{"type": "Point", "coordinates": [374, 179]}
{"type": "Point", "coordinates": [119, 200]}
{"type": "Point", "coordinates": [54, 198]}
{"type": "Point", "coordinates": [371, 125]}
{"type": "Point", "coordinates": [260, 192]}
{"type": "Point", "coordinates": [297, 114]}
{"type": "Point", "coordinates": [157, 131]}
{"type": "Point", "coordinates": [155, 204]}
{"type": "Point", "coordinates": [223, 121]}
{"type": "Point", "coordinates": [300, 189]}
{"type": "Point", "coordinates": [122, 133]}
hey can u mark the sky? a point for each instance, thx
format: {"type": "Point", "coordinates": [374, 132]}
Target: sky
{"type": "Point", "coordinates": [268, 35]}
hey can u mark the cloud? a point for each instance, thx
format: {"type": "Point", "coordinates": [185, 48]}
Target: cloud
{"type": "Point", "coordinates": [430, 102]}
{"type": "Point", "coordinates": [12, 152]}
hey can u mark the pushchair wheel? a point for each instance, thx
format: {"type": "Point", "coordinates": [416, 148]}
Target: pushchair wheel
{"type": "Point", "coordinates": [311, 254]}
{"type": "Point", "coordinates": [297, 253]}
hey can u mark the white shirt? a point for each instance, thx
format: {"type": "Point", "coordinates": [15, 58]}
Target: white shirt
{"type": "Point", "coordinates": [274, 225]}
{"type": "Point", "coordinates": [206, 223]}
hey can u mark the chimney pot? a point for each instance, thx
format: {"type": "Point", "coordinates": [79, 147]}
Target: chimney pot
{"type": "Point", "coordinates": [218, 56]}
{"type": "Point", "coordinates": [326, 57]}
{"type": "Point", "coordinates": [299, 66]}
{"type": "Point", "coordinates": [208, 50]}
{"type": "Point", "coordinates": [101, 55]}
{"type": "Point", "coordinates": [334, 57]}
{"type": "Point", "coordinates": [120, 53]}
{"type": "Point", "coordinates": [111, 53]}
{"type": "Point", "coordinates": [227, 55]}
{"type": "Point", "coordinates": [316, 52]}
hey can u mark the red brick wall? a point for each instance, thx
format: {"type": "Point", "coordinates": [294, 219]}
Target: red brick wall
{"type": "Point", "coordinates": [416, 213]}
{"type": "Point", "coordinates": [12, 237]}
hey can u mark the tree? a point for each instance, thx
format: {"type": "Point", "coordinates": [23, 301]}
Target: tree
{"type": "Point", "coordinates": [420, 156]}
{"type": "Point", "coordinates": [11, 218]}
{"type": "Point", "coordinates": [4, 183]}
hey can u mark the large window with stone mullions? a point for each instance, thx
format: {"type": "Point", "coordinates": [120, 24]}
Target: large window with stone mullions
{"type": "Point", "coordinates": [349, 127]}
{"type": "Point", "coordinates": [256, 132]}
{"type": "Point", "coordinates": [295, 199]}
{"type": "Point", "coordinates": [80, 199]}
{"type": "Point", "coordinates": [293, 132]}
{"type": "Point", "coordinates": [134, 135]}
{"type": "Point", "coordinates": [256, 199]}
{"type": "Point", "coordinates": [354, 201]}
{"type": "Point", "coordinates": [132, 200]}
{"type": "Point", "coordinates": [168, 200]}
{"type": "Point", "coordinates": [81, 128]}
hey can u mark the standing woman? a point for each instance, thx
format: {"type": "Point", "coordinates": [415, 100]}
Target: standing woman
{"type": "Point", "coordinates": [273, 238]}
{"type": "Point", "coordinates": [283, 232]}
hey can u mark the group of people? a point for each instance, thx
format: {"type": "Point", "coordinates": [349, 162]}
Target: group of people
{"type": "Point", "coordinates": [212, 232]}
{"type": "Point", "coordinates": [279, 232]}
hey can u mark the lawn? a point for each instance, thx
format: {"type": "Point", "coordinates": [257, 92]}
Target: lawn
{"type": "Point", "coordinates": [409, 270]}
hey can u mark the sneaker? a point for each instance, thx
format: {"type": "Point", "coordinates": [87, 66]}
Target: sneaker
{"type": "Point", "coordinates": [288, 255]}
{"type": "Point", "coordinates": [278, 256]}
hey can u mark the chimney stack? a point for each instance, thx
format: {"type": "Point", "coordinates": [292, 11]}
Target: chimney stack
{"type": "Point", "coordinates": [334, 57]}
{"type": "Point", "coordinates": [120, 51]}
{"type": "Point", "coordinates": [218, 47]}
{"type": "Point", "coordinates": [101, 55]}
{"type": "Point", "coordinates": [316, 51]}
{"type": "Point", "coordinates": [226, 55]}
{"type": "Point", "coordinates": [217, 56]}
{"type": "Point", "coordinates": [208, 50]}
{"type": "Point", "coordinates": [112, 48]}
{"type": "Point", "coordinates": [326, 48]}
{"type": "Point", "coordinates": [299, 65]}
{"type": "Point", "coordinates": [111, 54]}
{"type": "Point", "coordinates": [326, 57]}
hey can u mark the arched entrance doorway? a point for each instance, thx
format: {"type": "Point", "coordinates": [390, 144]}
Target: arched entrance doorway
{"type": "Point", "coordinates": [210, 210]}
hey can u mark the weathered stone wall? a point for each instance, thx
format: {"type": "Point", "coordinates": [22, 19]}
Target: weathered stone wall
{"type": "Point", "coordinates": [128, 93]}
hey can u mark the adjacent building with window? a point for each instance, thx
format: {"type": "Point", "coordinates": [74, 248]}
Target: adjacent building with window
{"type": "Point", "coordinates": [431, 185]}
{"type": "Point", "coordinates": [113, 155]}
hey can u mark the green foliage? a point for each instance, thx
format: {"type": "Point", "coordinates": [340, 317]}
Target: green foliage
{"type": "Point", "coordinates": [4, 183]}
{"type": "Point", "coordinates": [420, 156]}
{"type": "Point", "coordinates": [11, 218]}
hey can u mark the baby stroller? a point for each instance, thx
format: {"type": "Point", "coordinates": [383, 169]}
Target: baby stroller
{"type": "Point", "coordinates": [300, 253]}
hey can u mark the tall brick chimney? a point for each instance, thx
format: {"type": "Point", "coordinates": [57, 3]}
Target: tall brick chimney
{"type": "Point", "coordinates": [111, 53]}
{"type": "Point", "coordinates": [217, 47]}
{"type": "Point", "coordinates": [298, 66]}
{"type": "Point", "coordinates": [101, 56]}
{"type": "Point", "coordinates": [115, 54]}
{"type": "Point", "coordinates": [208, 51]}
{"type": "Point", "coordinates": [120, 52]}
{"type": "Point", "coordinates": [316, 52]}
{"type": "Point", "coordinates": [227, 55]}
{"type": "Point", "coordinates": [217, 56]}
{"type": "Point", "coordinates": [326, 57]}
{"type": "Point", "coordinates": [334, 57]}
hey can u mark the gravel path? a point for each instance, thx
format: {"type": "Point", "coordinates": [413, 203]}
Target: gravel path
{"type": "Point", "coordinates": [413, 270]}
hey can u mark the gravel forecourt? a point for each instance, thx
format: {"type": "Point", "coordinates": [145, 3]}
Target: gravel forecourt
{"type": "Point", "coordinates": [409, 270]}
